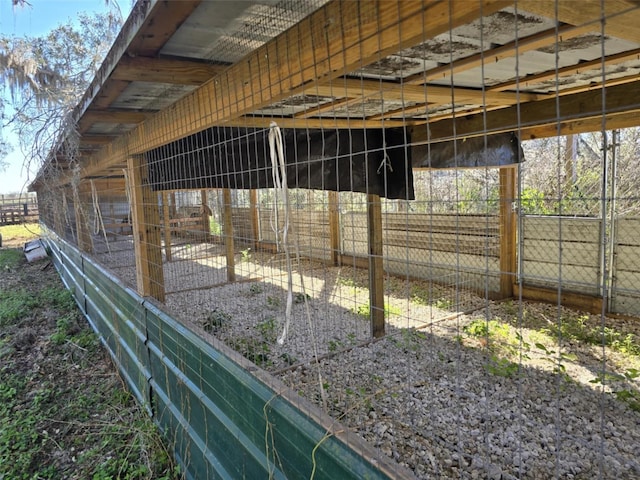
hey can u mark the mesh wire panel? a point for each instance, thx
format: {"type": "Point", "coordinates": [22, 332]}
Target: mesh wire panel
{"type": "Point", "coordinates": [458, 318]}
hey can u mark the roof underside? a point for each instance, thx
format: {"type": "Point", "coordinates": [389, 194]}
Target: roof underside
{"type": "Point", "coordinates": [444, 69]}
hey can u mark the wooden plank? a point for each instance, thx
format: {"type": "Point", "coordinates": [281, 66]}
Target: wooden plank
{"type": "Point", "coordinates": [628, 280]}
{"type": "Point", "coordinates": [451, 261]}
{"type": "Point", "coordinates": [376, 268]}
{"type": "Point", "coordinates": [584, 230]}
{"type": "Point", "coordinates": [580, 277]}
{"type": "Point", "coordinates": [167, 230]}
{"type": "Point", "coordinates": [628, 231]}
{"type": "Point", "coordinates": [588, 303]}
{"type": "Point", "coordinates": [162, 70]}
{"type": "Point", "coordinates": [573, 253]}
{"type": "Point", "coordinates": [146, 231]}
{"type": "Point", "coordinates": [433, 94]}
{"type": "Point", "coordinates": [627, 258]}
{"type": "Point", "coordinates": [228, 235]}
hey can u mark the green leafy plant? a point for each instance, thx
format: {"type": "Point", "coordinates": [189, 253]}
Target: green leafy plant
{"type": "Point", "coordinates": [364, 310]}
{"type": "Point", "coordinates": [215, 320]}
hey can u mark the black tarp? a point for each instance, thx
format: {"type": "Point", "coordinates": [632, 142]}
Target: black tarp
{"type": "Point", "coordinates": [370, 161]}
{"type": "Point", "coordinates": [492, 151]}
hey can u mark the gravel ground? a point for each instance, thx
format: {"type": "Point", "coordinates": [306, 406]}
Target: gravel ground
{"type": "Point", "coordinates": [434, 395]}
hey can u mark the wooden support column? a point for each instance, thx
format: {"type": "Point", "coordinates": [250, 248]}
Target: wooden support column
{"type": "Point", "coordinates": [508, 195]}
{"type": "Point", "coordinates": [146, 230]}
{"type": "Point", "coordinates": [83, 231]}
{"type": "Point", "coordinates": [228, 235]}
{"type": "Point", "coordinates": [254, 212]}
{"type": "Point", "coordinates": [206, 215]}
{"type": "Point", "coordinates": [334, 227]}
{"type": "Point", "coordinates": [166, 216]}
{"type": "Point", "coordinates": [376, 265]}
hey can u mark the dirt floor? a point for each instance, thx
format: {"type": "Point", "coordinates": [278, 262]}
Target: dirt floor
{"type": "Point", "coordinates": [63, 410]}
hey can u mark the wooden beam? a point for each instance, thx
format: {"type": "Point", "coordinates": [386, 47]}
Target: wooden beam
{"type": "Point", "coordinates": [228, 235]}
{"type": "Point", "coordinates": [620, 16]}
{"type": "Point", "coordinates": [113, 116]}
{"type": "Point", "coordinates": [109, 93]}
{"type": "Point", "coordinates": [581, 301]}
{"type": "Point", "coordinates": [438, 94]}
{"type": "Point", "coordinates": [619, 99]}
{"type": "Point", "coordinates": [376, 265]}
{"type": "Point", "coordinates": [146, 231]}
{"type": "Point", "coordinates": [161, 23]}
{"type": "Point", "coordinates": [334, 226]}
{"type": "Point", "coordinates": [508, 50]}
{"type": "Point", "coordinates": [336, 39]}
{"type": "Point", "coordinates": [255, 221]}
{"type": "Point", "coordinates": [508, 195]}
{"type": "Point", "coordinates": [206, 213]}
{"type": "Point", "coordinates": [96, 139]}
{"type": "Point", "coordinates": [160, 70]}
{"type": "Point", "coordinates": [166, 215]}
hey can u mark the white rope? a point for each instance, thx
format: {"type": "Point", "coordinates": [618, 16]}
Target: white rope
{"type": "Point", "coordinates": [98, 223]}
{"type": "Point", "coordinates": [279, 175]}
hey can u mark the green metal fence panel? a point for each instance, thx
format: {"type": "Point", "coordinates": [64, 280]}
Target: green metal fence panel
{"type": "Point", "coordinates": [222, 419]}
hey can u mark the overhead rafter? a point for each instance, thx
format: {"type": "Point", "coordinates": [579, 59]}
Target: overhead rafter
{"type": "Point", "coordinates": [536, 115]}
{"type": "Point", "coordinates": [180, 72]}
{"type": "Point", "coordinates": [418, 93]}
{"type": "Point", "coordinates": [331, 41]}
{"type": "Point", "coordinates": [618, 21]}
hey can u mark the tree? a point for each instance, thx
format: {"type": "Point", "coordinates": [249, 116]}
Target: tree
{"type": "Point", "coordinates": [44, 78]}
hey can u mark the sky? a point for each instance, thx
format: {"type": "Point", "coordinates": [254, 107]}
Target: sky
{"type": "Point", "coordinates": [35, 20]}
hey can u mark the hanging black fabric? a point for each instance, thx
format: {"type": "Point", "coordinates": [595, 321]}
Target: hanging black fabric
{"type": "Point", "coordinates": [369, 161]}
{"type": "Point", "coordinates": [492, 151]}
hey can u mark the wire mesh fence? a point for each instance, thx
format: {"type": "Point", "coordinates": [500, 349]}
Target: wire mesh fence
{"type": "Point", "coordinates": [461, 313]}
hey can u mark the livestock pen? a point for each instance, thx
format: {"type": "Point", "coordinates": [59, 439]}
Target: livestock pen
{"type": "Point", "coordinates": [384, 239]}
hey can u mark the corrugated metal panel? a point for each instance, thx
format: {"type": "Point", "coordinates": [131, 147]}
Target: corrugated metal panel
{"type": "Point", "coordinates": [227, 31]}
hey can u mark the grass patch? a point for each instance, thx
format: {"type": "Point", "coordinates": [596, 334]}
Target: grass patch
{"type": "Point", "coordinates": [10, 258]}
{"type": "Point", "coordinates": [63, 410]}
{"type": "Point", "coordinates": [579, 329]}
{"type": "Point", "coordinates": [15, 235]}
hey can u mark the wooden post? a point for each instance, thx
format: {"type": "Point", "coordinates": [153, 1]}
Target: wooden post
{"type": "Point", "coordinates": [166, 216]}
{"type": "Point", "coordinates": [228, 236]}
{"type": "Point", "coordinates": [376, 265]}
{"type": "Point", "coordinates": [206, 215]}
{"type": "Point", "coordinates": [508, 195]}
{"type": "Point", "coordinates": [146, 230]}
{"type": "Point", "coordinates": [334, 227]}
{"type": "Point", "coordinates": [173, 211]}
{"type": "Point", "coordinates": [254, 212]}
{"type": "Point", "coordinates": [83, 232]}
